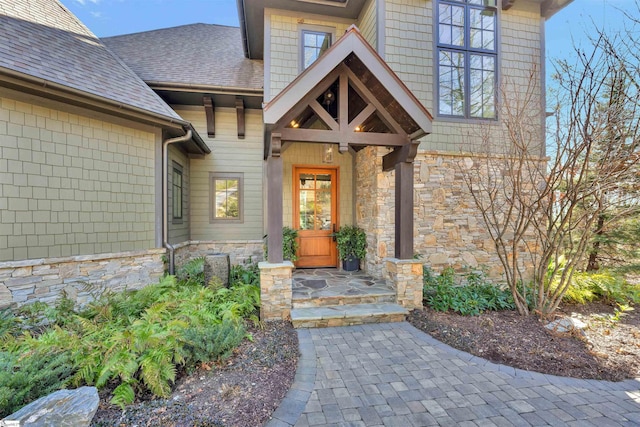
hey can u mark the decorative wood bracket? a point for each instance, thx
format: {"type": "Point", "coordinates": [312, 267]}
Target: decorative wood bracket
{"type": "Point", "coordinates": [209, 111]}
{"type": "Point", "coordinates": [404, 154]}
{"type": "Point", "coordinates": [240, 114]}
{"type": "Point", "coordinates": [506, 4]}
{"type": "Point", "coordinates": [276, 145]}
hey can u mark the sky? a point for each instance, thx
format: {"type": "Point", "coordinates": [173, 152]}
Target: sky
{"type": "Point", "coordinates": [113, 17]}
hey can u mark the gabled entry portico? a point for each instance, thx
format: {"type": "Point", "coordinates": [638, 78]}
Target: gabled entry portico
{"type": "Point", "coordinates": [351, 98]}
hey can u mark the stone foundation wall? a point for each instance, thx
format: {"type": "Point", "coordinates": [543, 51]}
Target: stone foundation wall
{"type": "Point", "coordinates": [240, 251]}
{"type": "Point", "coordinates": [81, 278]}
{"type": "Point", "coordinates": [276, 281]}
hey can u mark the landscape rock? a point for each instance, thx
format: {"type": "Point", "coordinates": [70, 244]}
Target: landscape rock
{"type": "Point", "coordinates": [73, 408]}
{"type": "Point", "coordinates": [566, 325]}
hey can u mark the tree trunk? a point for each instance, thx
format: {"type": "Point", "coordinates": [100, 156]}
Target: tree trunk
{"type": "Point", "coordinates": [592, 264]}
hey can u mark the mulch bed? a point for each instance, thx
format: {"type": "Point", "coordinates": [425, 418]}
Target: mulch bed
{"type": "Point", "coordinates": [609, 351]}
{"type": "Point", "coordinates": [243, 390]}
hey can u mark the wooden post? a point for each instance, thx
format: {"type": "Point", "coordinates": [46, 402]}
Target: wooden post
{"type": "Point", "coordinates": [274, 201]}
{"type": "Point", "coordinates": [404, 210]}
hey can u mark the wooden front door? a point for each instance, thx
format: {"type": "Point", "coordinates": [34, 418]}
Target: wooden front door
{"type": "Point", "coordinates": [315, 215]}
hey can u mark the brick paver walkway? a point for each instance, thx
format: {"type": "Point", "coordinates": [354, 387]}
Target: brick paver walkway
{"type": "Point", "coordinates": [395, 375]}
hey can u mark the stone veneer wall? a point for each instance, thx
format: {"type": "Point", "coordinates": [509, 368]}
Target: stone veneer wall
{"type": "Point", "coordinates": [405, 276]}
{"type": "Point", "coordinates": [375, 211]}
{"type": "Point", "coordinates": [276, 281]}
{"type": "Point", "coordinates": [240, 251]}
{"type": "Point", "coordinates": [448, 228]}
{"type": "Point", "coordinates": [81, 278]}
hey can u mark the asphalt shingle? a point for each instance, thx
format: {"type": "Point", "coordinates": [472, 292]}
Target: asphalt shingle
{"type": "Point", "coordinates": [42, 39]}
{"type": "Point", "coordinates": [198, 54]}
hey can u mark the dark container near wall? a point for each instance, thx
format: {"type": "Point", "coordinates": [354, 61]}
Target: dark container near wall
{"type": "Point", "coordinates": [351, 264]}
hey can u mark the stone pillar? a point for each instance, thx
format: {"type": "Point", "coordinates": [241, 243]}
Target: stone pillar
{"type": "Point", "coordinates": [405, 275]}
{"type": "Point", "coordinates": [276, 282]}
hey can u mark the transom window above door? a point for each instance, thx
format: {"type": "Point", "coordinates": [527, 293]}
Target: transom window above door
{"type": "Point", "coordinates": [314, 44]}
{"type": "Point", "coordinates": [467, 58]}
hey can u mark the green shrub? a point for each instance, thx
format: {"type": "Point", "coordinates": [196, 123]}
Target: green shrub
{"type": "Point", "coordinates": [604, 285]}
{"type": "Point", "coordinates": [248, 274]}
{"type": "Point", "coordinates": [213, 342]}
{"type": "Point", "coordinates": [131, 342]}
{"type": "Point", "coordinates": [24, 378]}
{"type": "Point", "coordinates": [351, 242]}
{"type": "Point", "coordinates": [478, 295]}
{"type": "Point", "coordinates": [192, 272]}
{"type": "Point", "coordinates": [289, 244]}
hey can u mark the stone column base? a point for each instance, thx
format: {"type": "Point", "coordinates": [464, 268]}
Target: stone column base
{"type": "Point", "coordinates": [276, 282]}
{"type": "Point", "coordinates": [405, 276]}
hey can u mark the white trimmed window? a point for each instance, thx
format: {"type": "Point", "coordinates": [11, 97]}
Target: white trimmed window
{"type": "Point", "coordinates": [314, 44]}
{"type": "Point", "coordinates": [467, 58]}
{"type": "Point", "coordinates": [226, 197]}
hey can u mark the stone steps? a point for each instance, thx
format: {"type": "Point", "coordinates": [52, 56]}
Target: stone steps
{"type": "Point", "coordinates": [345, 315]}
{"type": "Point", "coordinates": [381, 297]}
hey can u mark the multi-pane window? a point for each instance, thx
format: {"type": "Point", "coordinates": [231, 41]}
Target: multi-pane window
{"type": "Point", "coordinates": [226, 197]}
{"type": "Point", "coordinates": [314, 44]}
{"type": "Point", "coordinates": [467, 58]}
{"type": "Point", "coordinates": [176, 193]}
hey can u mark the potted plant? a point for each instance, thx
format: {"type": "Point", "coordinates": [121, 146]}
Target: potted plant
{"type": "Point", "coordinates": [352, 246]}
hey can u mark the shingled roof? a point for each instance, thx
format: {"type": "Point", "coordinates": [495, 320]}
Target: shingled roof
{"type": "Point", "coordinates": [197, 54]}
{"type": "Point", "coordinates": [42, 39]}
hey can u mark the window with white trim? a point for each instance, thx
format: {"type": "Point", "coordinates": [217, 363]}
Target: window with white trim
{"type": "Point", "coordinates": [314, 44]}
{"type": "Point", "coordinates": [226, 197]}
{"type": "Point", "coordinates": [467, 58]}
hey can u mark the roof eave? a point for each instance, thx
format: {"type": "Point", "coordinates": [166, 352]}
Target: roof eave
{"type": "Point", "coordinates": [58, 92]}
{"type": "Point", "coordinates": [243, 27]}
{"type": "Point", "coordinates": [551, 7]}
{"type": "Point", "coordinates": [190, 87]}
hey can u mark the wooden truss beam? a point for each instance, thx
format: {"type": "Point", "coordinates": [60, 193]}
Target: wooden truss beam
{"type": "Point", "coordinates": [343, 137]}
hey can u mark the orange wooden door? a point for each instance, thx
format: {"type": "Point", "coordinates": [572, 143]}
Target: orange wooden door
{"type": "Point", "coordinates": [315, 215]}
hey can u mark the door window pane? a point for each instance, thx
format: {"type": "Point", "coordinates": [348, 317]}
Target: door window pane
{"type": "Point", "coordinates": [315, 202]}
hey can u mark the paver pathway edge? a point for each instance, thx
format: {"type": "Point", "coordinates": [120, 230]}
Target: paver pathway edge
{"type": "Point", "coordinates": [622, 397]}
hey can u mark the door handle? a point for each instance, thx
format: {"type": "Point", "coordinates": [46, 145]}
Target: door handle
{"type": "Point", "coordinates": [334, 232]}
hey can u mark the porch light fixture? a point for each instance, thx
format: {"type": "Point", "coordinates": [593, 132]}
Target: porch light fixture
{"type": "Point", "coordinates": [358, 129]}
{"type": "Point", "coordinates": [294, 124]}
{"type": "Point", "coordinates": [329, 97]}
{"type": "Point", "coordinates": [327, 155]}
